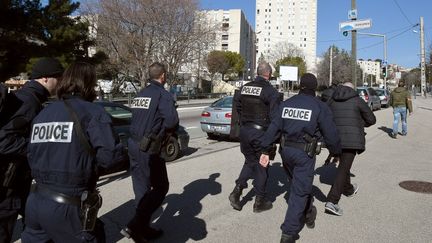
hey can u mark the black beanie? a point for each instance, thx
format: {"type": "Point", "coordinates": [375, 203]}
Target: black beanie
{"type": "Point", "coordinates": [308, 81]}
{"type": "Point", "coordinates": [46, 67]}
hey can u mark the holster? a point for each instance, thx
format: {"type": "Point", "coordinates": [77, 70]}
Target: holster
{"type": "Point", "coordinates": [151, 144]}
{"type": "Point", "coordinates": [91, 202]}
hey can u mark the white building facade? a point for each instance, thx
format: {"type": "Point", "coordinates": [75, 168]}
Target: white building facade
{"type": "Point", "coordinates": [235, 34]}
{"type": "Point", "coordinates": [372, 68]}
{"type": "Point", "coordinates": [292, 21]}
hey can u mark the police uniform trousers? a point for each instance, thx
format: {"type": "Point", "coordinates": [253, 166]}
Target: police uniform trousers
{"type": "Point", "coordinates": [49, 221]}
{"type": "Point", "coordinates": [250, 148]}
{"type": "Point", "coordinates": [300, 201]}
{"type": "Point", "coordinates": [150, 185]}
{"type": "Point", "coordinates": [342, 183]}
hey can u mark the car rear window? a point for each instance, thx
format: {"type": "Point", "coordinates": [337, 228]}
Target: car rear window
{"type": "Point", "coordinates": [361, 92]}
{"type": "Point", "coordinates": [380, 92]}
{"type": "Point", "coordinates": [118, 112]}
{"type": "Point", "coordinates": [223, 103]}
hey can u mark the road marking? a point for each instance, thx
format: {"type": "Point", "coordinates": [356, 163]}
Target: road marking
{"type": "Point", "coordinates": [191, 108]}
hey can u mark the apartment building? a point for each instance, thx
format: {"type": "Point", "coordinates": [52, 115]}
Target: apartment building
{"type": "Point", "coordinates": [291, 21]}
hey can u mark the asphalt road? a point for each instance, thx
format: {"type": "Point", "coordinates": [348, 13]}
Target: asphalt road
{"type": "Point", "coordinates": [197, 208]}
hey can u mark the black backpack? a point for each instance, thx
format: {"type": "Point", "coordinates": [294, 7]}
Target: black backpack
{"type": "Point", "coordinates": [9, 104]}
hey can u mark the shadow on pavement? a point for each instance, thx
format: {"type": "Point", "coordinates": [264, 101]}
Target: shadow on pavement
{"type": "Point", "coordinates": [188, 151]}
{"type": "Point", "coordinates": [115, 177]}
{"type": "Point", "coordinates": [116, 219]}
{"type": "Point", "coordinates": [278, 182]}
{"type": "Point", "coordinates": [386, 130]}
{"type": "Point", "coordinates": [179, 218]}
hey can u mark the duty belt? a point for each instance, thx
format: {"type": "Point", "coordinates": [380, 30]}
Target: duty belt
{"type": "Point", "coordinates": [55, 196]}
{"type": "Point", "coordinates": [301, 146]}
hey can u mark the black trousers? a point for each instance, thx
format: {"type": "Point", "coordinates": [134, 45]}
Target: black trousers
{"type": "Point", "coordinates": [342, 183]}
{"type": "Point", "coordinates": [251, 168]}
{"type": "Point", "coordinates": [150, 182]}
{"type": "Point", "coordinates": [8, 219]}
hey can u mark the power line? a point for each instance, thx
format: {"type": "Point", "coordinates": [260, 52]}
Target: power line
{"type": "Point", "coordinates": [379, 43]}
{"type": "Point", "coordinates": [397, 4]}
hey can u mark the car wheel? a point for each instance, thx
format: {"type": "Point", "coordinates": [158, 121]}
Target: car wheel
{"type": "Point", "coordinates": [212, 136]}
{"type": "Point", "coordinates": [171, 150]}
{"type": "Point", "coordinates": [371, 107]}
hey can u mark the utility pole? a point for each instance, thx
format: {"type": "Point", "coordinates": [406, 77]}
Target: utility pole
{"type": "Point", "coordinates": [385, 60]}
{"type": "Point", "coordinates": [354, 50]}
{"type": "Point", "coordinates": [423, 61]}
{"type": "Point", "coordinates": [331, 66]}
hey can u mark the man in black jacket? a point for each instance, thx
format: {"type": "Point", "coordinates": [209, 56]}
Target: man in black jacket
{"type": "Point", "coordinates": [351, 114]}
{"type": "Point", "coordinates": [14, 138]}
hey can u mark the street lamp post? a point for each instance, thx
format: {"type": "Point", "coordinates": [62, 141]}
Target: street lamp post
{"type": "Point", "coordinates": [385, 53]}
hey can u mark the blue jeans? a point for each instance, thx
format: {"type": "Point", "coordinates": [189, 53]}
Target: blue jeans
{"type": "Point", "coordinates": [400, 112]}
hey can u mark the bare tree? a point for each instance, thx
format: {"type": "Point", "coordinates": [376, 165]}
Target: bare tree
{"type": "Point", "coordinates": [282, 50]}
{"type": "Point", "coordinates": [136, 33]}
{"type": "Point", "coordinates": [341, 67]}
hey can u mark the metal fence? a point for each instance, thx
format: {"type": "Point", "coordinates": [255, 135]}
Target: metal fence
{"type": "Point", "coordinates": [127, 98]}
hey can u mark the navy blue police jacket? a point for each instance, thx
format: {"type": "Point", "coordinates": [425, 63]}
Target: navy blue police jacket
{"type": "Point", "coordinates": [303, 114]}
{"type": "Point", "coordinates": [57, 157]}
{"type": "Point", "coordinates": [14, 135]}
{"type": "Point", "coordinates": [267, 108]}
{"type": "Point", "coordinates": [153, 112]}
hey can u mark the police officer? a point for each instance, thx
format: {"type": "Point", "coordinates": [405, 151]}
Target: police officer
{"type": "Point", "coordinates": [14, 140]}
{"type": "Point", "coordinates": [299, 120]}
{"type": "Point", "coordinates": [257, 107]}
{"type": "Point", "coordinates": [154, 116]}
{"type": "Point", "coordinates": [71, 139]}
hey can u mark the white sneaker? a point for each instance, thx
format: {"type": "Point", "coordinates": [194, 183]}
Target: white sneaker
{"type": "Point", "coordinates": [333, 208]}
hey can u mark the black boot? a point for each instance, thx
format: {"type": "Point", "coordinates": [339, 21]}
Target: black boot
{"type": "Point", "coordinates": [261, 204]}
{"type": "Point", "coordinates": [234, 198]}
{"type": "Point", "coordinates": [310, 218]}
{"type": "Point", "coordinates": [287, 239]}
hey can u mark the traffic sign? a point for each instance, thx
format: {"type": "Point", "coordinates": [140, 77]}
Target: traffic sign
{"type": "Point", "coordinates": [355, 25]}
{"type": "Point", "coordinates": [352, 14]}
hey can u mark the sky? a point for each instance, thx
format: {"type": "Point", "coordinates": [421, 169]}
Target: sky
{"type": "Point", "coordinates": [390, 17]}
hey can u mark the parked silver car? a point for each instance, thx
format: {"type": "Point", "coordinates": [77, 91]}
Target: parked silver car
{"type": "Point", "coordinates": [216, 118]}
{"type": "Point", "coordinates": [370, 97]}
{"type": "Point", "coordinates": [384, 96]}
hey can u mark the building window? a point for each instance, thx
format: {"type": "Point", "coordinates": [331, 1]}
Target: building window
{"type": "Point", "coordinates": [225, 26]}
{"type": "Point", "coordinates": [304, 39]}
{"type": "Point", "coordinates": [224, 47]}
{"type": "Point", "coordinates": [224, 37]}
{"type": "Point", "coordinates": [258, 11]}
